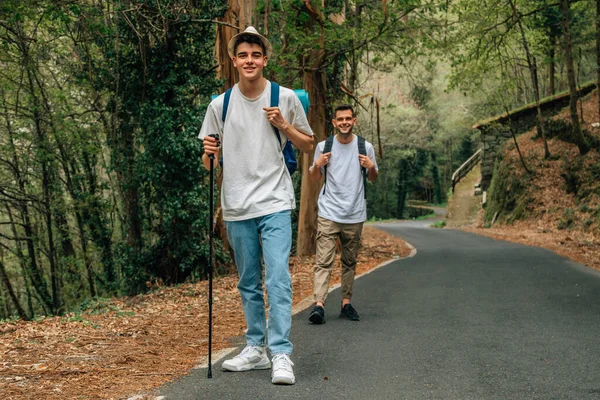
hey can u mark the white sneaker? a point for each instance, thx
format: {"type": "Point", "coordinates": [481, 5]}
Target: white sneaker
{"type": "Point", "coordinates": [252, 357]}
{"type": "Point", "coordinates": [282, 373]}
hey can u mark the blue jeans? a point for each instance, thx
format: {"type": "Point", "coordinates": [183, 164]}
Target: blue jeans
{"type": "Point", "coordinates": [275, 230]}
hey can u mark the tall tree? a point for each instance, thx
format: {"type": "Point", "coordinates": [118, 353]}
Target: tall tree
{"type": "Point", "coordinates": [568, 50]}
{"type": "Point", "coordinates": [598, 54]}
{"type": "Point", "coordinates": [315, 85]}
{"type": "Point", "coordinates": [533, 71]}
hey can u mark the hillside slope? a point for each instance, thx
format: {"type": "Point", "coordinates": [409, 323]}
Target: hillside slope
{"type": "Point", "coordinates": [558, 205]}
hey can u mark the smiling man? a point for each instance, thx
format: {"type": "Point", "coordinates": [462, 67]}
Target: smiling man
{"type": "Point", "coordinates": [347, 161]}
{"type": "Point", "coordinates": [257, 197]}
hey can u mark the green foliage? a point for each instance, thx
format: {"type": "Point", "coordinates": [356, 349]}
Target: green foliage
{"type": "Point", "coordinates": [509, 195]}
{"type": "Point", "coordinates": [162, 81]}
{"type": "Point", "coordinates": [426, 216]}
{"type": "Point", "coordinates": [105, 164]}
{"type": "Point", "coordinates": [439, 224]}
{"type": "Point", "coordinates": [103, 173]}
{"type": "Point", "coordinates": [486, 47]}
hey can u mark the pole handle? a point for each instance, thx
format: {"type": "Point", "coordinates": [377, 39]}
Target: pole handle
{"type": "Point", "coordinates": [218, 138]}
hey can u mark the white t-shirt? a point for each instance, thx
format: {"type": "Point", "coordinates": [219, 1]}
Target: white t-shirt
{"type": "Point", "coordinates": [256, 181]}
{"type": "Point", "coordinates": [344, 198]}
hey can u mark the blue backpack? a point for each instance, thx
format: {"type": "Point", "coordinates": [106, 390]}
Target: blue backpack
{"type": "Point", "coordinates": [288, 151]}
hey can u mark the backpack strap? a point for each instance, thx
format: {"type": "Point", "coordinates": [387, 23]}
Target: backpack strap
{"type": "Point", "coordinates": [226, 104]}
{"type": "Point", "coordinates": [275, 103]}
{"type": "Point", "coordinates": [224, 114]}
{"type": "Point", "coordinates": [288, 151]}
{"type": "Point", "coordinates": [327, 149]}
{"type": "Point", "coordinates": [328, 144]}
{"type": "Point", "coordinates": [362, 149]}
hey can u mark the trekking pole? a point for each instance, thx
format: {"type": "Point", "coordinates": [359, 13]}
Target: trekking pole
{"type": "Point", "coordinates": [210, 256]}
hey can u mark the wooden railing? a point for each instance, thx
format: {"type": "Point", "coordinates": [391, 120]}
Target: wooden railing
{"type": "Point", "coordinates": [464, 169]}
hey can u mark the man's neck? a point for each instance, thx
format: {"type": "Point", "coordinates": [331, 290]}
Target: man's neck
{"type": "Point", "coordinates": [345, 139]}
{"type": "Point", "coordinates": [252, 89]}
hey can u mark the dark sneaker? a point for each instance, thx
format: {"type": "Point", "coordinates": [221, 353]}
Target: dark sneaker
{"type": "Point", "coordinates": [349, 312]}
{"type": "Point", "coordinates": [317, 316]}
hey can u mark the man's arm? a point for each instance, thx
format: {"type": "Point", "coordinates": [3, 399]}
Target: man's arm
{"type": "Point", "coordinates": [315, 170]}
{"type": "Point", "coordinates": [367, 163]}
{"type": "Point", "coordinates": [304, 142]}
{"type": "Point", "coordinates": [315, 173]}
{"type": "Point", "coordinates": [212, 124]}
{"type": "Point", "coordinates": [372, 174]}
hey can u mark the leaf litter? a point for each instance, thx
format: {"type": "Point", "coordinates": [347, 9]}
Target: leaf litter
{"type": "Point", "coordinates": [131, 345]}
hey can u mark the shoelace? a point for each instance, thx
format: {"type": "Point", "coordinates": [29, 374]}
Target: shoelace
{"type": "Point", "coordinates": [247, 350]}
{"type": "Point", "coordinates": [282, 361]}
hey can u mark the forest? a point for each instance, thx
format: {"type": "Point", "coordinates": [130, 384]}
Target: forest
{"type": "Point", "coordinates": [102, 188]}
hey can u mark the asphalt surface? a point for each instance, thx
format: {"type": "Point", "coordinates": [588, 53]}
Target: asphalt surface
{"type": "Point", "coordinates": [467, 317]}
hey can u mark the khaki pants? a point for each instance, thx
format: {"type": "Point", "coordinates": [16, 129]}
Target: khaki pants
{"type": "Point", "coordinates": [327, 234]}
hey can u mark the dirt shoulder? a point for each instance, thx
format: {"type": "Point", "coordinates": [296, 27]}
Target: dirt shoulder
{"type": "Point", "coordinates": [131, 345]}
{"type": "Point", "coordinates": [583, 249]}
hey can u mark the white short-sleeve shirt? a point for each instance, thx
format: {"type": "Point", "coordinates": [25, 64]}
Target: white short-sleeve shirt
{"type": "Point", "coordinates": [344, 198]}
{"type": "Point", "coordinates": [256, 181]}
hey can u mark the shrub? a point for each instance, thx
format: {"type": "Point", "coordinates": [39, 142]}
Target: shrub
{"type": "Point", "coordinates": [571, 173]}
{"type": "Point", "coordinates": [568, 219]}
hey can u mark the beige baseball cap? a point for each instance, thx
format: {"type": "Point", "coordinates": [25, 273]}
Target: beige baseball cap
{"type": "Point", "coordinates": [249, 31]}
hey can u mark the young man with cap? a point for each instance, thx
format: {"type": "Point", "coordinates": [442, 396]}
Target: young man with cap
{"type": "Point", "coordinates": [257, 197]}
{"type": "Point", "coordinates": [342, 209]}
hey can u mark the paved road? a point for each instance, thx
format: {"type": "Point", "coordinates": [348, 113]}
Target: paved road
{"type": "Point", "coordinates": [467, 317]}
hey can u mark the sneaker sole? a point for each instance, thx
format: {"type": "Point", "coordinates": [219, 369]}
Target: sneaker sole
{"type": "Point", "coordinates": [348, 318]}
{"type": "Point", "coordinates": [283, 381]}
{"type": "Point", "coordinates": [233, 368]}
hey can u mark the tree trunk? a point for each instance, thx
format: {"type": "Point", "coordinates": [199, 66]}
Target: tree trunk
{"type": "Point", "coordinates": [130, 189]}
{"type": "Point", "coordinates": [100, 223]}
{"type": "Point", "coordinates": [240, 13]}
{"type": "Point", "coordinates": [46, 154]}
{"type": "Point", "coordinates": [532, 64]}
{"type": "Point", "coordinates": [60, 216]}
{"type": "Point", "coordinates": [86, 259]}
{"type": "Point", "coordinates": [36, 273]}
{"type": "Point", "coordinates": [435, 176]}
{"type": "Point", "coordinates": [568, 51]}
{"type": "Point", "coordinates": [514, 136]}
{"type": "Point", "coordinates": [598, 54]}
{"type": "Point", "coordinates": [11, 293]}
{"type": "Point", "coordinates": [44, 150]}
{"type": "Point", "coordinates": [22, 261]}
{"type": "Point", "coordinates": [552, 67]}
{"type": "Point", "coordinates": [315, 85]}
{"type": "Point", "coordinates": [354, 54]}
{"type": "Point", "coordinates": [4, 314]}
{"type": "Point", "coordinates": [98, 226]}
{"type": "Point", "coordinates": [402, 186]}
